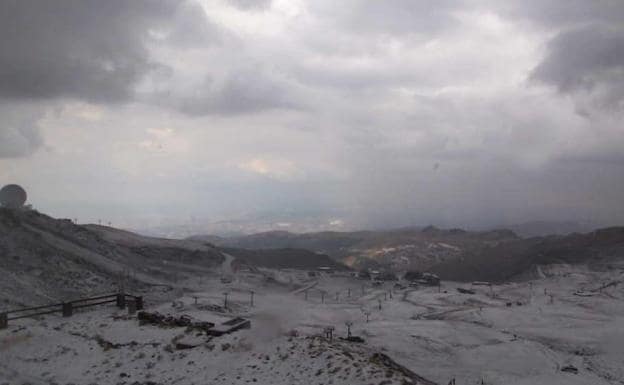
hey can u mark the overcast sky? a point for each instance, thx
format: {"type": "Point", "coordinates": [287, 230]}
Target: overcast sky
{"type": "Point", "coordinates": [376, 113]}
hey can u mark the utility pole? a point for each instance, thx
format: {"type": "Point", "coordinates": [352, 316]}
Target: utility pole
{"type": "Point", "coordinates": [251, 301]}
{"type": "Point", "coordinates": [329, 333]}
{"type": "Point", "coordinates": [225, 302]}
{"type": "Point", "coordinates": [349, 324]}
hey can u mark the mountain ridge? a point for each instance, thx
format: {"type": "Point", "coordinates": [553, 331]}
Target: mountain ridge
{"type": "Point", "coordinates": [454, 254]}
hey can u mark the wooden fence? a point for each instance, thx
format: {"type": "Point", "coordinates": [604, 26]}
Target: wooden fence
{"type": "Point", "coordinates": [121, 300]}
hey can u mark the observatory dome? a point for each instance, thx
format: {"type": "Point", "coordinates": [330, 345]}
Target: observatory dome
{"type": "Point", "coordinates": [12, 196]}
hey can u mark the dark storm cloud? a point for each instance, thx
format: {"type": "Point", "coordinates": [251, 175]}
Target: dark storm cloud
{"type": "Point", "coordinates": [585, 59]}
{"type": "Point", "coordinates": [93, 50]}
{"type": "Point", "coordinates": [586, 55]}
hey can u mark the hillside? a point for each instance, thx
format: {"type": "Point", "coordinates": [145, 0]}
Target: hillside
{"type": "Point", "coordinates": [401, 249]}
{"type": "Point", "coordinates": [600, 250]}
{"type": "Point", "coordinates": [280, 258]}
{"type": "Point", "coordinates": [408, 335]}
{"type": "Point", "coordinates": [284, 258]}
{"type": "Point", "coordinates": [453, 254]}
{"type": "Point", "coordinates": [545, 228]}
{"type": "Point", "coordinates": [45, 259]}
{"type": "Point", "coordinates": [563, 328]}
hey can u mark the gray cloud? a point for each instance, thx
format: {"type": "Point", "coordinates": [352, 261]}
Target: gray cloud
{"type": "Point", "coordinates": [19, 132]}
{"type": "Point", "coordinates": [587, 59]}
{"type": "Point", "coordinates": [189, 27]}
{"type": "Point", "coordinates": [391, 16]}
{"type": "Point", "coordinates": [97, 51]}
{"type": "Point", "coordinates": [240, 92]}
{"type": "Point", "coordinates": [586, 55]}
{"type": "Point", "coordinates": [251, 4]}
{"type": "Point", "coordinates": [562, 13]}
{"type": "Point", "coordinates": [395, 112]}
{"type": "Point", "coordinates": [92, 50]}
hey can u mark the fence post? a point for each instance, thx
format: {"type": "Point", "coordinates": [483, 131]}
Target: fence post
{"type": "Point", "coordinates": [68, 309]}
{"type": "Point", "coordinates": [139, 302]}
{"type": "Point", "coordinates": [121, 300]}
{"type": "Point", "coordinates": [132, 307]}
{"type": "Point", "coordinates": [4, 321]}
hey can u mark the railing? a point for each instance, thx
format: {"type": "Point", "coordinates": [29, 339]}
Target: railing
{"type": "Point", "coordinates": [133, 302]}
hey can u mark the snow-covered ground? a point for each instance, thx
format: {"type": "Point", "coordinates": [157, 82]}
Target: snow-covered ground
{"type": "Point", "coordinates": [521, 333]}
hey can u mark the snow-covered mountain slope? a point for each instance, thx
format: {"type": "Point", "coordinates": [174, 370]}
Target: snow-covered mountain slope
{"type": "Point", "coordinates": [43, 259]}
{"type": "Point", "coordinates": [562, 329]}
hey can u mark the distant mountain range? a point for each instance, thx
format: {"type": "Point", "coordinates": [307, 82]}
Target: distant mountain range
{"type": "Point", "coordinates": [543, 228]}
{"type": "Point", "coordinates": [43, 259]}
{"type": "Point", "coordinates": [456, 254]}
{"type": "Point", "coordinates": [401, 249]}
{"type": "Point", "coordinates": [276, 222]}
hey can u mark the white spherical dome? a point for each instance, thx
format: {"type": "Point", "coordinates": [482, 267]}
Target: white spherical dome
{"type": "Point", "coordinates": [12, 196]}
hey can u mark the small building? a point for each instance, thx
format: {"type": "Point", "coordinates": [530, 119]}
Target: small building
{"type": "Point", "coordinates": [431, 279]}
{"type": "Point", "coordinates": [229, 326]}
{"type": "Point", "coordinates": [412, 275]}
{"type": "Point", "coordinates": [426, 279]}
{"type": "Point", "coordinates": [387, 276]}
{"type": "Point", "coordinates": [364, 274]}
